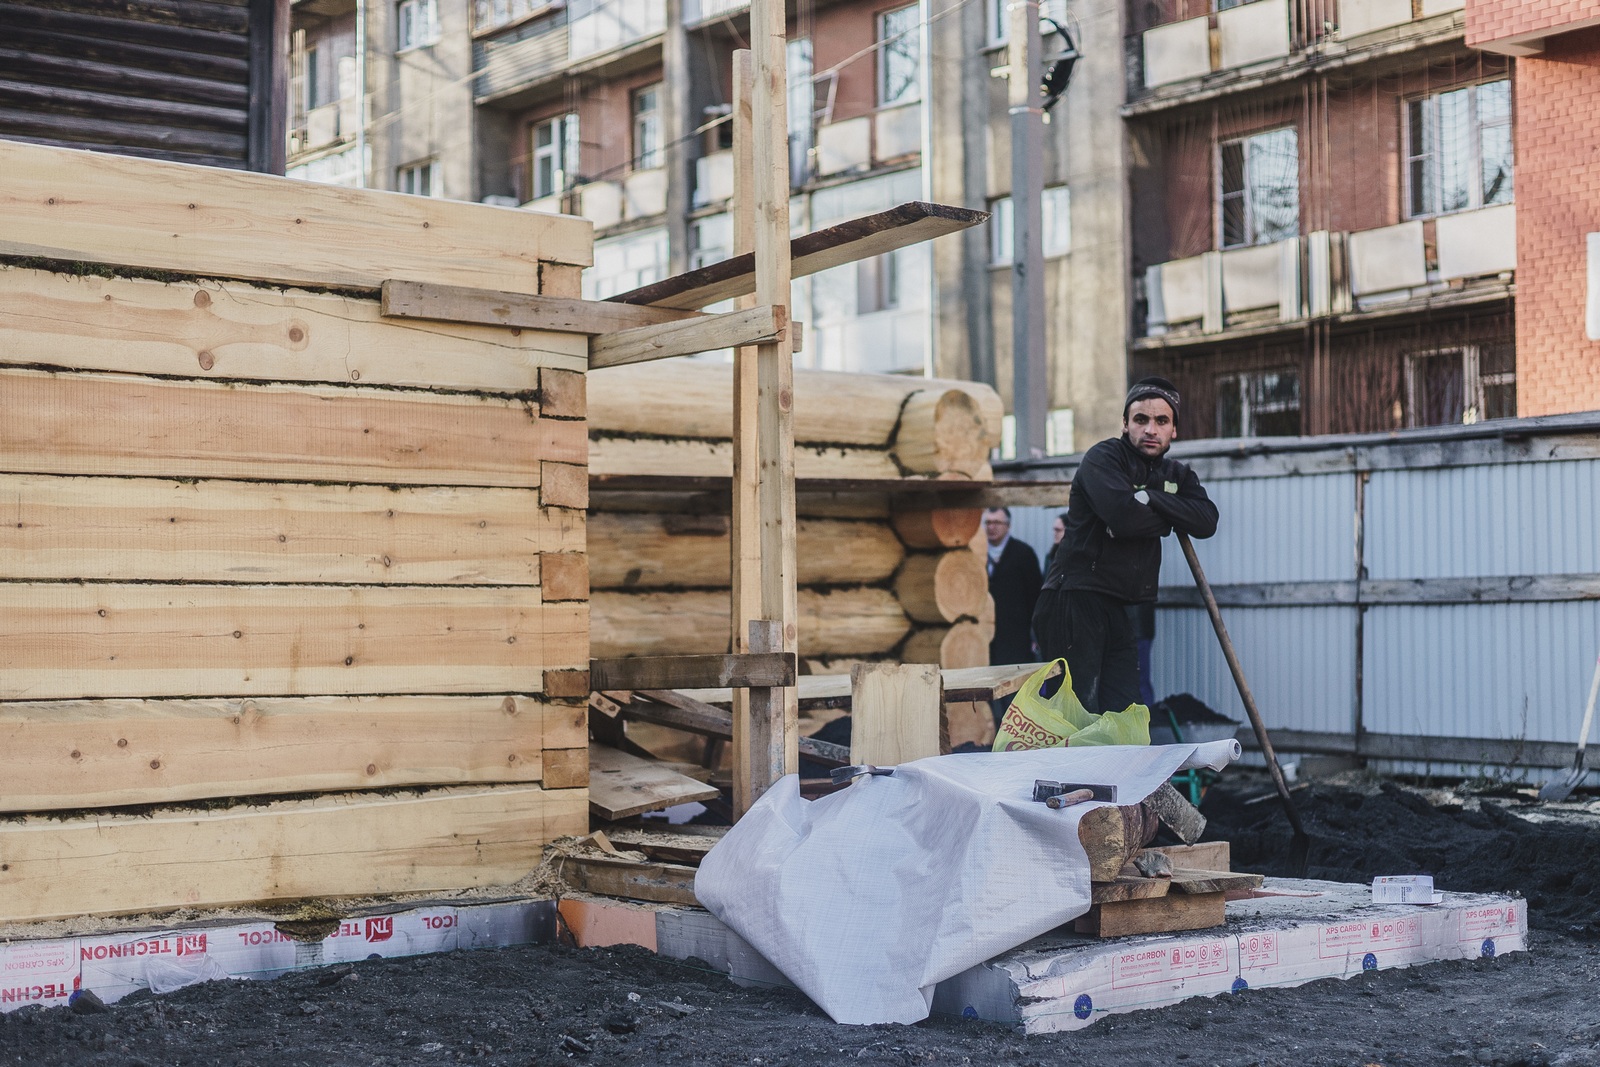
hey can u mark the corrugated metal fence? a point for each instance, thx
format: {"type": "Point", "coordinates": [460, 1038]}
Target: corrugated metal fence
{"type": "Point", "coordinates": [1428, 600]}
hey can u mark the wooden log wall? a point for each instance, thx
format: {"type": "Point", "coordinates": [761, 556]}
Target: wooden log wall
{"type": "Point", "coordinates": [261, 542]}
{"type": "Point", "coordinates": [188, 80]}
{"type": "Point", "coordinates": [878, 580]}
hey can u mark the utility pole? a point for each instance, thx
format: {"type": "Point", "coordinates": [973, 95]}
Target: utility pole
{"type": "Point", "coordinates": [1030, 375]}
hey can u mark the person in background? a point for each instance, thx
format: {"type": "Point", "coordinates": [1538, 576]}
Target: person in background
{"type": "Point", "coordinates": [1014, 583]}
{"type": "Point", "coordinates": [1126, 496]}
{"type": "Point", "coordinates": [1059, 528]}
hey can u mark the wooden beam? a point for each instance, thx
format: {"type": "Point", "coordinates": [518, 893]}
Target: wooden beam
{"type": "Point", "coordinates": [90, 754]}
{"type": "Point", "coordinates": [707, 333]}
{"type": "Point", "coordinates": [690, 715]}
{"type": "Point", "coordinates": [1165, 914]}
{"type": "Point", "coordinates": [622, 785]}
{"type": "Point", "coordinates": [73, 205]}
{"type": "Point", "coordinates": [895, 711]}
{"type": "Point", "coordinates": [333, 845]}
{"type": "Point", "coordinates": [738, 670]}
{"type": "Point", "coordinates": [848, 242]}
{"type": "Point", "coordinates": [663, 883]}
{"type": "Point", "coordinates": [489, 307]}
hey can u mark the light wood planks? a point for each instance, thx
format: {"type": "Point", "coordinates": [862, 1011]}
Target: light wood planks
{"type": "Point", "coordinates": [233, 330]}
{"type": "Point", "coordinates": [335, 845]}
{"type": "Point", "coordinates": [641, 344]}
{"type": "Point", "coordinates": [200, 429]}
{"type": "Point", "coordinates": [150, 529]}
{"type": "Point", "coordinates": [454, 303]}
{"type": "Point", "coordinates": [621, 785]}
{"type": "Point", "coordinates": [86, 640]}
{"type": "Point", "coordinates": [115, 209]}
{"type": "Point", "coordinates": [894, 712]}
{"type": "Point", "coordinates": [1172, 912]}
{"type": "Point", "coordinates": [714, 459]}
{"type": "Point", "coordinates": [848, 242]}
{"type": "Point", "coordinates": [89, 754]}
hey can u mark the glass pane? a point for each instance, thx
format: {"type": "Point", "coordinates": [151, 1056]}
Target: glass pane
{"type": "Point", "coordinates": [1496, 147]}
{"type": "Point", "coordinates": [1230, 407]}
{"type": "Point", "coordinates": [1273, 171]}
{"type": "Point", "coordinates": [544, 176]}
{"type": "Point", "coordinates": [1500, 401]}
{"type": "Point", "coordinates": [1455, 152]}
{"type": "Point", "coordinates": [1278, 388]}
{"type": "Point", "coordinates": [1494, 103]}
{"type": "Point", "coordinates": [1438, 390]}
{"type": "Point", "coordinates": [900, 57]}
{"type": "Point", "coordinates": [544, 135]}
{"type": "Point", "coordinates": [1419, 135]}
{"type": "Point", "coordinates": [1001, 231]}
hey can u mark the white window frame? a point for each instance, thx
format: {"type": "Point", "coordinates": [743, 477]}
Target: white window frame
{"type": "Point", "coordinates": [1056, 209]}
{"type": "Point", "coordinates": [419, 179]}
{"type": "Point", "coordinates": [646, 126]}
{"type": "Point", "coordinates": [1435, 148]}
{"type": "Point", "coordinates": [1473, 382]}
{"type": "Point", "coordinates": [1251, 408]}
{"type": "Point", "coordinates": [899, 39]}
{"type": "Point", "coordinates": [493, 14]}
{"type": "Point", "coordinates": [561, 152]}
{"type": "Point", "coordinates": [997, 19]}
{"type": "Point", "coordinates": [416, 24]}
{"type": "Point", "coordinates": [1244, 194]}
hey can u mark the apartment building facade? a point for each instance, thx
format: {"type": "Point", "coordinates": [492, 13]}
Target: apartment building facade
{"type": "Point", "coordinates": [617, 110]}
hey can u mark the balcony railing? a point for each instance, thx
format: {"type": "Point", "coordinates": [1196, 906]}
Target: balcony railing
{"type": "Point", "coordinates": [524, 56]}
{"type": "Point", "coordinates": [1325, 273]}
{"type": "Point", "coordinates": [599, 26]}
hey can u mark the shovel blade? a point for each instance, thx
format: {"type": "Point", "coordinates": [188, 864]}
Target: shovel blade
{"type": "Point", "coordinates": [1560, 788]}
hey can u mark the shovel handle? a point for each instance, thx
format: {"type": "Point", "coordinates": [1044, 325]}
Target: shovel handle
{"type": "Point", "coordinates": [1588, 713]}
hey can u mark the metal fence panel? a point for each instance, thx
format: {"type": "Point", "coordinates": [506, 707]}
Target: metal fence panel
{"type": "Point", "coordinates": [1512, 671]}
{"type": "Point", "coordinates": [1484, 520]}
{"type": "Point", "coordinates": [1300, 663]}
{"type": "Point", "coordinates": [1286, 529]}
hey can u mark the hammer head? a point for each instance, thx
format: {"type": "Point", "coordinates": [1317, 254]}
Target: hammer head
{"type": "Point", "coordinates": [1044, 789]}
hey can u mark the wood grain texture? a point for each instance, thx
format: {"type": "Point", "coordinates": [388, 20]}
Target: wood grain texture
{"type": "Point", "coordinates": [664, 883]}
{"type": "Point", "coordinates": [564, 576]}
{"type": "Point", "coordinates": [942, 587]}
{"type": "Point", "coordinates": [1170, 913]}
{"type": "Point", "coordinates": [200, 429]}
{"type": "Point", "coordinates": [334, 845]}
{"type": "Point", "coordinates": [90, 754]}
{"type": "Point", "coordinates": [563, 485]}
{"type": "Point", "coordinates": [937, 527]}
{"type": "Point", "coordinates": [708, 333]}
{"type": "Point", "coordinates": [566, 768]}
{"type": "Point", "coordinates": [894, 712]}
{"type": "Point", "coordinates": [714, 459]}
{"type": "Point", "coordinates": [233, 330]}
{"type": "Point", "coordinates": [621, 785]}
{"type": "Point", "coordinates": [455, 303]}
{"type": "Point", "coordinates": [150, 529]}
{"type": "Point", "coordinates": [563, 394]}
{"type": "Point", "coordinates": [640, 550]}
{"type": "Point", "coordinates": [233, 224]}
{"type": "Point", "coordinates": [840, 622]}
{"type": "Point", "coordinates": [66, 641]}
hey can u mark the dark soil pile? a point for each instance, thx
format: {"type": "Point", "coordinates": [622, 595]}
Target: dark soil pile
{"type": "Point", "coordinates": [1359, 834]}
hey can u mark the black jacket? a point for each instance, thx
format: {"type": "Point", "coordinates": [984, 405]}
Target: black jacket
{"type": "Point", "coordinates": [1113, 542]}
{"type": "Point", "coordinates": [1015, 588]}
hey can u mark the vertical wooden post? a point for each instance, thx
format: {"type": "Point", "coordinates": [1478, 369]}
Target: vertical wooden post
{"type": "Point", "coordinates": [759, 762]}
{"type": "Point", "coordinates": [746, 524]}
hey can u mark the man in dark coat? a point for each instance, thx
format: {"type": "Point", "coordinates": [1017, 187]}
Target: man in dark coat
{"type": "Point", "coordinates": [1126, 496]}
{"type": "Point", "coordinates": [1014, 583]}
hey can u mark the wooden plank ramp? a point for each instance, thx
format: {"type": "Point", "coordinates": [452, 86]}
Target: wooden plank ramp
{"type": "Point", "coordinates": [621, 785]}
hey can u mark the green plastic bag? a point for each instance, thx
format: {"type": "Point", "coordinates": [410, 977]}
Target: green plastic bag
{"type": "Point", "coordinates": [1034, 721]}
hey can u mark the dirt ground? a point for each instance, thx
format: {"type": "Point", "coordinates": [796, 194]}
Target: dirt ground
{"type": "Point", "coordinates": [556, 1005]}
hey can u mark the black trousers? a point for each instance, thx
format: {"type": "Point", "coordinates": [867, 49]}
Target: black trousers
{"type": "Point", "coordinates": [1092, 632]}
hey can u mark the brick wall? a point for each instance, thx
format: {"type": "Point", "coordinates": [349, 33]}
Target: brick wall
{"type": "Point", "coordinates": [1558, 202]}
{"type": "Point", "coordinates": [1496, 20]}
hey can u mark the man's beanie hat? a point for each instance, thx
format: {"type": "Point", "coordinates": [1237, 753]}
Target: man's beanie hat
{"type": "Point", "coordinates": [1148, 388]}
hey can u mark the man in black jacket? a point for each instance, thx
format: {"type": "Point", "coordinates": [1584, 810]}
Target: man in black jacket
{"type": "Point", "coordinates": [1126, 496]}
{"type": "Point", "coordinates": [1014, 584]}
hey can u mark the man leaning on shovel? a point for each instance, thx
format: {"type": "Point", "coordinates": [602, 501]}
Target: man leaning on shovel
{"type": "Point", "coordinates": [1126, 496]}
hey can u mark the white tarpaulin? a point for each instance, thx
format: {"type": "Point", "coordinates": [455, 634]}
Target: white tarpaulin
{"type": "Point", "coordinates": [868, 898]}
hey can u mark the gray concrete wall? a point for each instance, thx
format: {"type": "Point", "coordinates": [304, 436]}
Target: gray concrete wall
{"type": "Point", "coordinates": [421, 102]}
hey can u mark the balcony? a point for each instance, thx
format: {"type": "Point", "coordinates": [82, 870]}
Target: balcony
{"type": "Point", "coordinates": [1238, 37]}
{"type": "Point", "coordinates": [1464, 257]}
{"type": "Point", "coordinates": [867, 141]}
{"type": "Point", "coordinates": [599, 26]}
{"type": "Point", "coordinates": [525, 56]}
{"type": "Point", "coordinates": [1360, 17]}
{"type": "Point", "coordinates": [698, 11]}
{"type": "Point", "coordinates": [640, 195]}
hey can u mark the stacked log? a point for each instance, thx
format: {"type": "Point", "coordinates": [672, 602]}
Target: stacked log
{"type": "Point", "coordinates": [876, 581]}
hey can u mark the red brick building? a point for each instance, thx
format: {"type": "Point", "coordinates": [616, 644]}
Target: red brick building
{"type": "Point", "coordinates": [1557, 89]}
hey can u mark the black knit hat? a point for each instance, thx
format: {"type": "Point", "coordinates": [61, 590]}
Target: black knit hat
{"type": "Point", "coordinates": [1151, 388]}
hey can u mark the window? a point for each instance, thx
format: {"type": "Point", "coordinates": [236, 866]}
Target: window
{"type": "Point", "coordinates": [878, 284]}
{"type": "Point", "coordinates": [1259, 188]}
{"type": "Point", "coordinates": [1259, 404]}
{"type": "Point", "coordinates": [1056, 207]}
{"type": "Point", "coordinates": [1461, 385]}
{"type": "Point", "coordinates": [555, 155]}
{"type": "Point", "coordinates": [1458, 149]}
{"type": "Point", "coordinates": [488, 14]}
{"type": "Point", "coordinates": [899, 57]}
{"type": "Point", "coordinates": [419, 179]}
{"type": "Point", "coordinates": [802, 111]}
{"type": "Point", "coordinates": [647, 127]}
{"type": "Point", "coordinates": [417, 23]}
{"type": "Point", "coordinates": [998, 18]}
